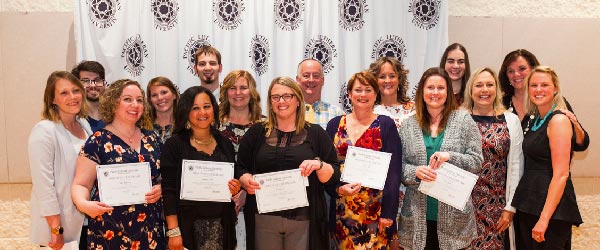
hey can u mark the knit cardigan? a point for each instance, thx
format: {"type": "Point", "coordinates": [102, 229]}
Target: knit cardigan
{"type": "Point", "coordinates": [456, 229]}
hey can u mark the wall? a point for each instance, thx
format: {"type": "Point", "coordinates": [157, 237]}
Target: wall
{"type": "Point", "coordinates": [36, 38]}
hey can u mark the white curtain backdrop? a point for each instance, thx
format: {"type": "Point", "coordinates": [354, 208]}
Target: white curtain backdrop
{"type": "Point", "coordinates": [144, 39]}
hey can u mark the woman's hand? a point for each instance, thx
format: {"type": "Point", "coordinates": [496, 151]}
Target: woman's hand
{"type": "Point", "coordinates": [349, 189]}
{"type": "Point", "coordinates": [240, 200]}
{"type": "Point", "coordinates": [154, 195]}
{"type": "Point", "coordinates": [426, 173]}
{"type": "Point", "coordinates": [308, 166]}
{"type": "Point", "coordinates": [504, 221]}
{"type": "Point", "coordinates": [234, 186]}
{"type": "Point", "coordinates": [93, 208]}
{"type": "Point", "coordinates": [384, 224]}
{"type": "Point", "coordinates": [249, 184]}
{"type": "Point", "coordinates": [175, 243]}
{"type": "Point", "coordinates": [436, 160]}
{"type": "Point", "coordinates": [538, 231]}
{"type": "Point", "coordinates": [57, 241]}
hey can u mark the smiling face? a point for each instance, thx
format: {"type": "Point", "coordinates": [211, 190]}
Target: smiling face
{"type": "Point", "coordinates": [541, 90]}
{"type": "Point", "coordinates": [162, 98]}
{"type": "Point", "coordinates": [202, 113]}
{"type": "Point", "coordinates": [208, 69]}
{"type": "Point", "coordinates": [455, 64]}
{"type": "Point", "coordinates": [283, 109]}
{"type": "Point", "coordinates": [362, 96]}
{"type": "Point", "coordinates": [238, 95]}
{"type": "Point", "coordinates": [483, 90]}
{"type": "Point", "coordinates": [311, 80]}
{"type": "Point", "coordinates": [435, 91]}
{"type": "Point", "coordinates": [387, 79]}
{"type": "Point", "coordinates": [131, 105]}
{"type": "Point", "coordinates": [517, 72]}
{"type": "Point", "coordinates": [92, 91]}
{"type": "Point", "coordinates": [68, 98]}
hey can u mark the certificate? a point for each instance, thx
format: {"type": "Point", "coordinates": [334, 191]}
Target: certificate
{"type": "Point", "coordinates": [367, 167]}
{"type": "Point", "coordinates": [452, 186]}
{"type": "Point", "coordinates": [124, 184]}
{"type": "Point", "coordinates": [206, 180]}
{"type": "Point", "coordinates": [280, 191]}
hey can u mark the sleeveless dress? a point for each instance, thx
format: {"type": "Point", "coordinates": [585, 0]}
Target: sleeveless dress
{"type": "Point", "coordinates": [138, 226]}
{"type": "Point", "coordinates": [357, 216]}
{"type": "Point", "coordinates": [489, 193]}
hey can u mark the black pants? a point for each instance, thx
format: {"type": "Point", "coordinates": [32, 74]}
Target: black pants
{"type": "Point", "coordinates": [431, 242]}
{"type": "Point", "coordinates": [558, 233]}
{"type": "Point", "coordinates": [83, 239]}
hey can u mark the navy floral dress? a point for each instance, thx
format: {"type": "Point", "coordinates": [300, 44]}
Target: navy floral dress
{"type": "Point", "coordinates": [139, 226]}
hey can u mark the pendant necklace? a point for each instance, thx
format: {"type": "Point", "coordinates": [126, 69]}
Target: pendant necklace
{"type": "Point", "coordinates": [130, 137]}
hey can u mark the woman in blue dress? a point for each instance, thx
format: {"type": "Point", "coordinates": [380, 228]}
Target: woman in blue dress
{"type": "Point", "coordinates": [124, 140]}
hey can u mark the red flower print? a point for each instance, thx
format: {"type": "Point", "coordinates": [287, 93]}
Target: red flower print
{"type": "Point", "coordinates": [149, 236]}
{"type": "Point", "coordinates": [148, 147]}
{"type": "Point", "coordinates": [141, 158]}
{"type": "Point", "coordinates": [119, 149]}
{"type": "Point", "coordinates": [141, 217]}
{"type": "Point", "coordinates": [153, 244]}
{"type": "Point", "coordinates": [108, 147]}
{"type": "Point", "coordinates": [135, 245]}
{"type": "Point", "coordinates": [99, 247]}
{"type": "Point", "coordinates": [342, 149]}
{"type": "Point", "coordinates": [109, 234]}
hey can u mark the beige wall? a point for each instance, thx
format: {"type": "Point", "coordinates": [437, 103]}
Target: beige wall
{"type": "Point", "coordinates": [34, 44]}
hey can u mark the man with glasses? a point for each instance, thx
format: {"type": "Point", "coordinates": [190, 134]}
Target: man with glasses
{"type": "Point", "coordinates": [91, 74]}
{"type": "Point", "coordinates": [311, 80]}
{"type": "Point", "coordinates": [208, 68]}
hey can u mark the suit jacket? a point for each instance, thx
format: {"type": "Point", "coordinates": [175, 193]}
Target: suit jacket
{"type": "Point", "coordinates": [52, 161]}
{"type": "Point", "coordinates": [456, 229]}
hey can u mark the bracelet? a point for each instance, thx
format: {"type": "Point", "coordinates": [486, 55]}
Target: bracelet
{"type": "Point", "coordinates": [174, 232]}
{"type": "Point", "coordinates": [320, 163]}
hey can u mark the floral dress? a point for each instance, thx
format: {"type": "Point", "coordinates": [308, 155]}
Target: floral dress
{"type": "Point", "coordinates": [489, 193]}
{"type": "Point", "coordinates": [138, 226]}
{"type": "Point", "coordinates": [357, 216]}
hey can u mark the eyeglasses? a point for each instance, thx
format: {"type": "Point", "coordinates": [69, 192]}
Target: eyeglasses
{"type": "Point", "coordinates": [95, 82]}
{"type": "Point", "coordinates": [286, 97]}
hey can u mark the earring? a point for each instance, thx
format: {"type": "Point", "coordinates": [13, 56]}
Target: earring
{"type": "Point", "coordinates": [212, 124]}
{"type": "Point", "coordinates": [188, 125]}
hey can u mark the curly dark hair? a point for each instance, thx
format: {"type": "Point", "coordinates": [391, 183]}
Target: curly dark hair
{"type": "Point", "coordinates": [185, 105]}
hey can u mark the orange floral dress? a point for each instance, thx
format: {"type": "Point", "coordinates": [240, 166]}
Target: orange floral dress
{"type": "Point", "coordinates": [357, 216]}
{"type": "Point", "coordinates": [138, 226]}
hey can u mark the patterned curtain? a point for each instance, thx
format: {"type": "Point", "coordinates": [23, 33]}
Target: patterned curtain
{"type": "Point", "coordinates": [143, 39]}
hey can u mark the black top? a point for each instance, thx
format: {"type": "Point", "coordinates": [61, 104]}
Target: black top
{"type": "Point", "coordinates": [174, 151]}
{"type": "Point", "coordinates": [507, 101]}
{"type": "Point", "coordinates": [95, 124]}
{"type": "Point", "coordinates": [314, 143]}
{"type": "Point", "coordinates": [532, 190]}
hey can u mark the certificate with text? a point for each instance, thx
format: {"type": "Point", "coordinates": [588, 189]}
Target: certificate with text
{"type": "Point", "coordinates": [206, 180]}
{"type": "Point", "coordinates": [281, 190]}
{"type": "Point", "coordinates": [367, 167]}
{"type": "Point", "coordinates": [452, 186]}
{"type": "Point", "coordinates": [124, 184]}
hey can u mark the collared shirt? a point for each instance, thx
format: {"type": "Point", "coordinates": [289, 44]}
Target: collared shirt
{"type": "Point", "coordinates": [321, 112]}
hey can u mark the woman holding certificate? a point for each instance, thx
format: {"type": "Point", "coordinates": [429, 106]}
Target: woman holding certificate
{"type": "Point", "coordinates": [437, 133]}
{"type": "Point", "coordinates": [545, 197]}
{"type": "Point", "coordinates": [124, 141]}
{"type": "Point", "coordinates": [364, 216]}
{"type": "Point", "coordinates": [197, 223]}
{"type": "Point", "coordinates": [285, 143]}
{"type": "Point", "coordinates": [502, 166]}
{"type": "Point", "coordinates": [54, 144]}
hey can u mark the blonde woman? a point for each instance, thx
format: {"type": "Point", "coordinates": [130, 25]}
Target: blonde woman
{"type": "Point", "coordinates": [502, 166]}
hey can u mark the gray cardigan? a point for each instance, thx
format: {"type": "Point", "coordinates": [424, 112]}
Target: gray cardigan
{"type": "Point", "coordinates": [456, 229]}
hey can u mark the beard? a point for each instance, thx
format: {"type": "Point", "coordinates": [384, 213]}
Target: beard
{"type": "Point", "coordinates": [93, 98]}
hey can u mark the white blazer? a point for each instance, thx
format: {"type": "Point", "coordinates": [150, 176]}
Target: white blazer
{"type": "Point", "coordinates": [52, 160]}
{"type": "Point", "coordinates": [515, 166]}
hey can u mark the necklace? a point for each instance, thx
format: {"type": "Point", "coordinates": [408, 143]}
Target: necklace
{"type": "Point", "coordinates": [130, 137]}
{"type": "Point", "coordinates": [203, 143]}
{"type": "Point", "coordinates": [537, 123]}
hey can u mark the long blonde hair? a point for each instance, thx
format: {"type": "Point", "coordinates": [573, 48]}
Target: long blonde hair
{"type": "Point", "coordinates": [271, 122]}
{"type": "Point", "coordinates": [558, 99]}
{"type": "Point", "coordinates": [468, 99]}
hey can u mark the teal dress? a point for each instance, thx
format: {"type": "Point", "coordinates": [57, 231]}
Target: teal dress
{"type": "Point", "coordinates": [432, 145]}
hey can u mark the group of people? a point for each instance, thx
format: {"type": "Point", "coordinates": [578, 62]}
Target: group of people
{"type": "Point", "coordinates": [514, 130]}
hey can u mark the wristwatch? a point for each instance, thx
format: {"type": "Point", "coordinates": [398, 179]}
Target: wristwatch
{"type": "Point", "coordinates": [57, 230]}
{"type": "Point", "coordinates": [320, 163]}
